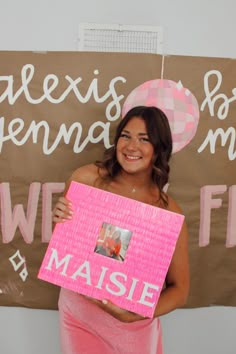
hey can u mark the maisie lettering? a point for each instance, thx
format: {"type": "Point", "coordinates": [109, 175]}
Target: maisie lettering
{"type": "Point", "coordinates": [114, 283]}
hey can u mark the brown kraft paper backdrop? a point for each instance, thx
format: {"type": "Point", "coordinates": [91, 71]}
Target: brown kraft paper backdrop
{"type": "Point", "coordinates": [92, 88]}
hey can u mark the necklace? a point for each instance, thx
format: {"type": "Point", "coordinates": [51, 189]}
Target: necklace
{"type": "Point", "coordinates": [131, 187]}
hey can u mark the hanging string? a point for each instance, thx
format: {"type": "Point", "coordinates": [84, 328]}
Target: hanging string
{"type": "Point", "coordinates": [162, 66]}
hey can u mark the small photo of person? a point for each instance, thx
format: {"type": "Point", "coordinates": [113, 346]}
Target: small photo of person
{"type": "Point", "coordinates": [113, 242]}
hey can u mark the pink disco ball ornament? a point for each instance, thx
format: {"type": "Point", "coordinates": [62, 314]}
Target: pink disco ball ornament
{"type": "Point", "coordinates": [178, 103]}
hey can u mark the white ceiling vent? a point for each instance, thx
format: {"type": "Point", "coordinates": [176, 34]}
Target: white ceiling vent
{"type": "Point", "coordinates": [120, 38]}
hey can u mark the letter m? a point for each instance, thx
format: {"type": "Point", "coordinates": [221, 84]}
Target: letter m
{"type": "Point", "coordinates": [58, 263]}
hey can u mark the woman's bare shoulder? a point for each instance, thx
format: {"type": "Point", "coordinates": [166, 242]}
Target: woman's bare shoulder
{"type": "Point", "coordinates": [173, 206]}
{"type": "Point", "coordinates": [86, 174]}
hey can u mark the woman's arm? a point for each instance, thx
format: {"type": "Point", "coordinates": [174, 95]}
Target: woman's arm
{"type": "Point", "coordinates": [177, 280]}
{"type": "Point", "coordinates": [63, 209]}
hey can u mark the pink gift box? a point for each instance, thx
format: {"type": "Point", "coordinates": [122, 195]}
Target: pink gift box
{"type": "Point", "coordinates": [114, 248]}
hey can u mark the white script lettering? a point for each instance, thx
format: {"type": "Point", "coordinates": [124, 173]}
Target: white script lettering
{"type": "Point", "coordinates": [213, 97]}
{"type": "Point", "coordinates": [18, 133]}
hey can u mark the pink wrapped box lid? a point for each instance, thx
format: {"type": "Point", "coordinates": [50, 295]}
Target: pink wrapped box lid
{"type": "Point", "coordinates": [114, 248]}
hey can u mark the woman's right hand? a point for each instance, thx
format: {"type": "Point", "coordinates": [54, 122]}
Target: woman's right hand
{"type": "Point", "coordinates": [62, 211]}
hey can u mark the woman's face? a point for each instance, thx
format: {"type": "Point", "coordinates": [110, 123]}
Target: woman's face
{"type": "Point", "coordinates": [134, 150]}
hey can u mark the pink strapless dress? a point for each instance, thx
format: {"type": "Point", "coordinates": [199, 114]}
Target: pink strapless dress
{"type": "Point", "coordinates": [87, 329]}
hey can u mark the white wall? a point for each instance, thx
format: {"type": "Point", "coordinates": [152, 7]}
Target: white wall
{"type": "Point", "coordinates": [197, 331]}
{"type": "Point", "coordinates": [198, 28]}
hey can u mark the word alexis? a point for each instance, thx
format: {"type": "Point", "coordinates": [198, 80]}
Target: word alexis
{"type": "Point", "coordinates": [115, 283]}
{"type": "Point", "coordinates": [19, 130]}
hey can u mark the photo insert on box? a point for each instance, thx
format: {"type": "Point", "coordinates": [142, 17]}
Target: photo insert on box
{"type": "Point", "coordinates": [113, 241]}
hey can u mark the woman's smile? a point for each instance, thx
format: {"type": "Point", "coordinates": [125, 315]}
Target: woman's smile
{"type": "Point", "coordinates": [132, 158]}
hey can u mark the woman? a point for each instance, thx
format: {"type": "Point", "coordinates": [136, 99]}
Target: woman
{"type": "Point", "coordinates": [109, 246]}
{"type": "Point", "coordinates": [137, 167]}
{"type": "Point", "coordinates": [113, 245]}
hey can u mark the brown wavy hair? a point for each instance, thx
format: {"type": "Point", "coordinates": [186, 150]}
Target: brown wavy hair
{"type": "Point", "coordinates": [159, 134]}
